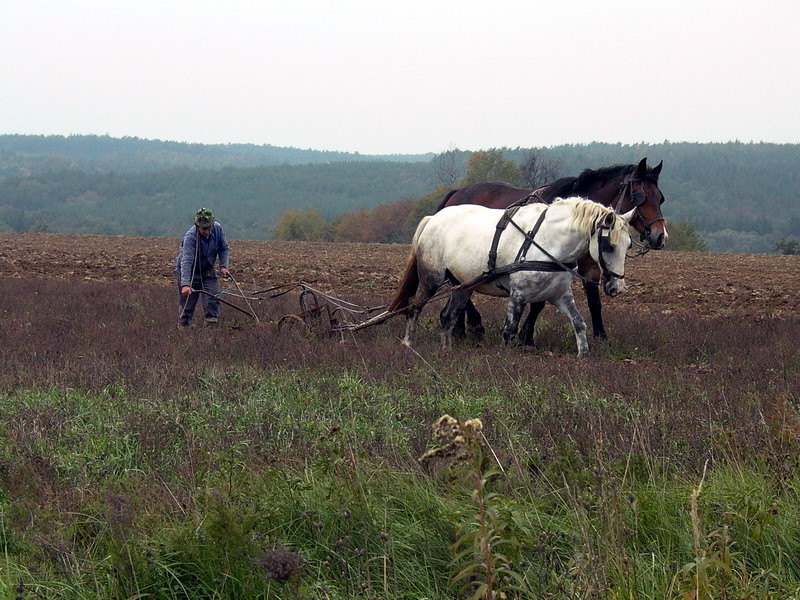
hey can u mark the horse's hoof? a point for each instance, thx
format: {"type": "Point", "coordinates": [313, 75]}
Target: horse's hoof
{"type": "Point", "coordinates": [601, 335]}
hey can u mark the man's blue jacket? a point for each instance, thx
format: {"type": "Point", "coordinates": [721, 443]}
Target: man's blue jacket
{"type": "Point", "coordinates": [216, 248]}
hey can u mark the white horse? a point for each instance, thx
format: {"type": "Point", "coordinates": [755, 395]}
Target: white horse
{"type": "Point", "coordinates": [453, 246]}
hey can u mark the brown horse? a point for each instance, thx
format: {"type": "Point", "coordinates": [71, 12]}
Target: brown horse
{"type": "Point", "coordinates": [621, 187]}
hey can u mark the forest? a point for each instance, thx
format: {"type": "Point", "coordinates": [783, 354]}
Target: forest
{"type": "Point", "coordinates": [738, 197]}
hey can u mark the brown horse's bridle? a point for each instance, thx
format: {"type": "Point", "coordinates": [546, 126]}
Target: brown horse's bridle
{"type": "Point", "coordinates": [638, 198]}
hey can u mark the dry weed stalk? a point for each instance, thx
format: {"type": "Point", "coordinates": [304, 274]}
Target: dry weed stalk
{"type": "Point", "coordinates": [477, 561]}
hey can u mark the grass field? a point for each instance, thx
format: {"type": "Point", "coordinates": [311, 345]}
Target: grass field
{"type": "Point", "coordinates": [139, 461]}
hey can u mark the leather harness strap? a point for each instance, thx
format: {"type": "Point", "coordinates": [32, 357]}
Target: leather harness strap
{"type": "Point", "coordinates": [520, 264]}
{"type": "Point", "coordinates": [511, 210]}
{"type": "Point", "coordinates": [499, 229]}
{"type": "Point", "coordinates": [526, 243]}
{"type": "Point", "coordinates": [537, 195]}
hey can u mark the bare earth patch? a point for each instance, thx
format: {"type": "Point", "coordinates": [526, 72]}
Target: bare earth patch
{"type": "Point", "coordinates": [750, 286]}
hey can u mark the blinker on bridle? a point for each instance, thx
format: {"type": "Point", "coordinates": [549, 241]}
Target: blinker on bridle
{"type": "Point", "coordinates": [604, 240]}
{"type": "Point", "coordinates": [604, 245]}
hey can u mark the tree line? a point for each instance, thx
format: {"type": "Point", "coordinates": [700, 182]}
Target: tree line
{"type": "Point", "coordinates": [248, 201]}
{"type": "Point", "coordinates": [747, 228]}
{"type": "Point", "coordinates": [734, 197]}
{"type": "Point", "coordinates": [39, 153]}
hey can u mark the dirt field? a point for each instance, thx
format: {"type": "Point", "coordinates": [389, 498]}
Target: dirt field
{"type": "Point", "coordinates": [753, 286]}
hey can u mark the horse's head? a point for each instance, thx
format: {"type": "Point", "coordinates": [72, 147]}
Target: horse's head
{"type": "Point", "coordinates": [639, 193]}
{"type": "Point", "coordinates": [608, 247]}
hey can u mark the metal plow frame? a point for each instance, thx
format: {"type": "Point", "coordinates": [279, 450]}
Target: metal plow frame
{"type": "Point", "coordinates": [320, 314]}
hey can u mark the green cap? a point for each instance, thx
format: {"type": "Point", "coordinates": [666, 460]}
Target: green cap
{"type": "Point", "coordinates": [204, 218]}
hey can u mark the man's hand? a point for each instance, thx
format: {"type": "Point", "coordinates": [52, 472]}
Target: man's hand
{"type": "Point", "coordinates": [225, 272]}
{"type": "Point", "coordinates": [186, 290]}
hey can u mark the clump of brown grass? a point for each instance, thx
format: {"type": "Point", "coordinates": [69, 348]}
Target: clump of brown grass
{"type": "Point", "coordinates": [280, 564]}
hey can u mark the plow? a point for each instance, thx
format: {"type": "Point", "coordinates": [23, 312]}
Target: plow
{"type": "Point", "coordinates": [320, 313]}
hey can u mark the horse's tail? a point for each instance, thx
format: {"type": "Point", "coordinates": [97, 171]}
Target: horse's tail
{"type": "Point", "coordinates": [443, 203]}
{"type": "Point", "coordinates": [410, 280]}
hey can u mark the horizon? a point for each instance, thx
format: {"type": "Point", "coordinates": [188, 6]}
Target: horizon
{"type": "Point", "coordinates": [468, 150]}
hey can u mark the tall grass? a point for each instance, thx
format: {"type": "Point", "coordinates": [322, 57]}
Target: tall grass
{"type": "Point", "coordinates": [139, 461]}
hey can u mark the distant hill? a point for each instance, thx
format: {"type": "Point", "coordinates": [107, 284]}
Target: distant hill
{"type": "Point", "coordinates": [38, 153]}
{"type": "Point", "coordinates": [741, 197]}
{"type": "Point", "coordinates": [162, 203]}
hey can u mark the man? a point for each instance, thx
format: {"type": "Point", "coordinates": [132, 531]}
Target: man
{"type": "Point", "coordinates": [202, 245]}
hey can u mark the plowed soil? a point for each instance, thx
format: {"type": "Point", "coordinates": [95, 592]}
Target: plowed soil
{"type": "Point", "coordinates": [752, 286]}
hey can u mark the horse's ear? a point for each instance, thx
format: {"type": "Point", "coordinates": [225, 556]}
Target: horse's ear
{"type": "Point", "coordinates": [641, 169]}
{"type": "Point", "coordinates": [657, 170]}
{"type": "Point", "coordinates": [628, 216]}
{"type": "Point", "coordinates": [609, 220]}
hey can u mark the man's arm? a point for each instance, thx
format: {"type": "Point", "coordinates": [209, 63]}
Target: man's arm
{"type": "Point", "coordinates": [188, 251]}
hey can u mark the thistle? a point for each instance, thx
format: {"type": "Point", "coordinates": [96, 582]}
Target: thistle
{"type": "Point", "coordinates": [477, 563]}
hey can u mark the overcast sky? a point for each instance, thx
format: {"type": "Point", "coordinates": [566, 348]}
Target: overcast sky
{"type": "Point", "coordinates": [405, 76]}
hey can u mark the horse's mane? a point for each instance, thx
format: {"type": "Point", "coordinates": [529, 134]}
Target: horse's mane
{"type": "Point", "coordinates": [560, 188]}
{"type": "Point", "coordinates": [600, 177]}
{"type": "Point", "coordinates": [586, 214]}
{"type": "Point", "coordinates": [589, 178]}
